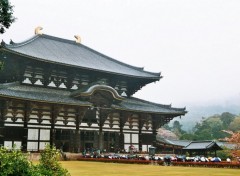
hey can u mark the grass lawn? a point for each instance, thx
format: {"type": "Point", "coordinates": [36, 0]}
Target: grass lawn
{"type": "Point", "coordinates": [84, 168]}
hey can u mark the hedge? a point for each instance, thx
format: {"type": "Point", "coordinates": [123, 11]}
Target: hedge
{"type": "Point", "coordinates": [185, 164]}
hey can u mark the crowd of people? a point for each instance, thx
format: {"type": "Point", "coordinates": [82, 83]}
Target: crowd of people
{"type": "Point", "coordinates": [165, 158]}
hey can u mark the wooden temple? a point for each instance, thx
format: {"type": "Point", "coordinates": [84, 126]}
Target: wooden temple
{"type": "Point", "coordinates": [61, 92]}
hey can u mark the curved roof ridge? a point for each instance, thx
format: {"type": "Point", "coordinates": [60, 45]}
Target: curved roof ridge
{"type": "Point", "coordinates": [209, 141]}
{"type": "Point", "coordinates": [180, 109]}
{"type": "Point", "coordinates": [24, 42]}
{"type": "Point", "coordinates": [90, 90]}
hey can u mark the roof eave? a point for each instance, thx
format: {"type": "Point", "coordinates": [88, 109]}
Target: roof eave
{"type": "Point", "coordinates": [153, 78]}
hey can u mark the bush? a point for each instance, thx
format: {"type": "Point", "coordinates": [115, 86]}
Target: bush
{"type": "Point", "coordinates": [15, 163]}
{"type": "Point", "coordinates": [224, 154]}
{"type": "Point", "coordinates": [49, 163]}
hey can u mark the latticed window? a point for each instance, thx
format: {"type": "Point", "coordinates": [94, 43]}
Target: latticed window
{"type": "Point", "coordinates": [62, 135]}
{"type": "Point", "coordinates": [87, 136]}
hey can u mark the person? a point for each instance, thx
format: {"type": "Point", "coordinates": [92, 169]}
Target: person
{"type": "Point", "coordinates": [228, 160]}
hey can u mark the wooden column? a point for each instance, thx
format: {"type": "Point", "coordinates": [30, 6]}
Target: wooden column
{"type": "Point", "coordinates": [2, 114]}
{"type": "Point", "coordinates": [156, 121]}
{"type": "Point", "coordinates": [103, 114]}
{"type": "Point", "coordinates": [140, 126]}
{"type": "Point", "coordinates": [122, 120]}
{"type": "Point", "coordinates": [77, 135]}
{"type": "Point", "coordinates": [4, 104]}
{"type": "Point", "coordinates": [28, 110]}
{"type": "Point", "coordinates": [79, 116]}
{"type": "Point", "coordinates": [54, 113]}
{"type": "Point", "coordinates": [100, 135]}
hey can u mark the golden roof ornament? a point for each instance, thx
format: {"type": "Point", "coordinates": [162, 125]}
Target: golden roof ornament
{"type": "Point", "coordinates": [78, 38]}
{"type": "Point", "coordinates": [38, 30]}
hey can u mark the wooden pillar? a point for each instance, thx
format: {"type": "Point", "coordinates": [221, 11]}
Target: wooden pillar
{"type": "Point", "coordinates": [77, 137]}
{"type": "Point", "coordinates": [100, 137]}
{"type": "Point", "coordinates": [54, 113]}
{"type": "Point", "coordinates": [121, 139]}
{"type": "Point", "coordinates": [79, 116]}
{"type": "Point", "coordinates": [52, 134]}
{"type": "Point", "coordinates": [102, 116]}
{"type": "Point", "coordinates": [4, 104]}
{"type": "Point", "coordinates": [100, 132]}
{"type": "Point", "coordinates": [122, 120]}
{"type": "Point", "coordinates": [2, 114]}
{"type": "Point", "coordinates": [155, 126]}
{"type": "Point", "coordinates": [154, 132]}
{"type": "Point", "coordinates": [140, 126]}
{"type": "Point", "coordinates": [28, 110]}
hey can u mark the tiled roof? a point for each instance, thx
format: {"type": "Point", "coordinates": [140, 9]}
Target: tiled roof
{"type": "Point", "coordinates": [182, 143]}
{"type": "Point", "coordinates": [191, 145]}
{"type": "Point", "coordinates": [146, 106]}
{"type": "Point", "coordinates": [25, 92]}
{"type": "Point", "coordinates": [33, 93]}
{"type": "Point", "coordinates": [199, 145]}
{"type": "Point", "coordinates": [227, 145]}
{"type": "Point", "coordinates": [66, 52]}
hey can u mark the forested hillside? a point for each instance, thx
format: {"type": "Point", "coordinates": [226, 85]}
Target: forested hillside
{"type": "Point", "coordinates": [209, 128]}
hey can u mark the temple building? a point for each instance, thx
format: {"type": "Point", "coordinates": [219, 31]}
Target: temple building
{"type": "Point", "coordinates": [61, 92]}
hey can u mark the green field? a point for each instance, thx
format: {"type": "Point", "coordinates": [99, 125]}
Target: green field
{"type": "Point", "coordinates": [83, 168]}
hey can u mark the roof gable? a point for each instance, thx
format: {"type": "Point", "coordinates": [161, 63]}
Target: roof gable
{"type": "Point", "coordinates": [201, 145]}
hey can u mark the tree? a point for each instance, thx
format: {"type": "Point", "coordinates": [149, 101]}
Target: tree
{"type": "Point", "coordinates": [235, 124]}
{"type": "Point", "coordinates": [234, 139]}
{"type": "Point", "coordinates": [6, 15]}
{"type": "Point", "coordinates": [209, 128]}
{"type": "Point", "coordinates": [177, 128]}
{"type": "Point", "coordinates": [167, 127]}
{"type": "Point", "coordinates": [187, 136]}
{"type": "Point", "coordinates": [227, 118]}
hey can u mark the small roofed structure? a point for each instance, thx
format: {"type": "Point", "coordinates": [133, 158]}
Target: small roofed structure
{"type": "Point", "coordinates": [171, 145]}
{"type": "Point", "coordinates": [202, 148]}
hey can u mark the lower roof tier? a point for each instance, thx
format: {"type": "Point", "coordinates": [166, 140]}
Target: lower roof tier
{"type": "Point", "coordinates": [47, 95]}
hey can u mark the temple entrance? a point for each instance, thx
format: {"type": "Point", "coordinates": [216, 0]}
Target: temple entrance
{"type": "Point", "coordinates": [89, 147]}
{"type": "Point", "coordinates": [66, 147]}
{"type": "Point", "coordinates": [111, 141]}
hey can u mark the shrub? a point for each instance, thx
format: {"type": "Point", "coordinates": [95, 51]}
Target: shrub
{"type": "Point", "coordinates": [48, 163]}
{"type": "Point", "coordinates": [224, 154]}
{"type": "Point", "coordinates": [14, 162]}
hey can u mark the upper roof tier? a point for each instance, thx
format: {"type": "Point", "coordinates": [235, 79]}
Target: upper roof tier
{"type": "Point", "coordinates": [67, 52]}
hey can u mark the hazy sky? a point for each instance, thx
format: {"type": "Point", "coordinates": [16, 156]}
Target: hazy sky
{"type": "Point", "coordinates": [195, 44]}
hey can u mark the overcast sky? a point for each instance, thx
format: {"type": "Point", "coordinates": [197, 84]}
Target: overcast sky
{"type": "Point", "coordinates": [195, 44]}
